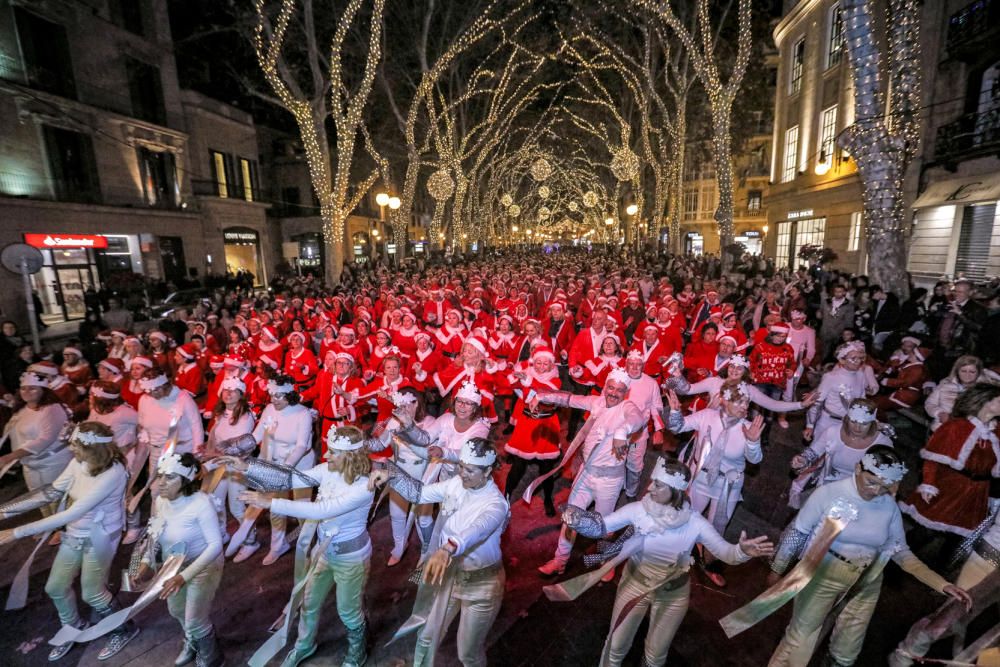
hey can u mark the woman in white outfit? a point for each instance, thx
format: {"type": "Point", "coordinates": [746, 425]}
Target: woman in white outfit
{"type": "Point", "coordinates": [91, 516]}
{"type": "Point", "coordinates": [664, 532]}
{"type": "Point", "coordinates": [851, 378]}
{"type": "Point", "coordinates": [185, 521]}
{"type": "Point", "coordinates": [108, 408]}
{"type": "Point", "coordinates": [231, 419]}
{"type": "Point", "coordinates": [161, 402]}
{"type": "Point", "coordinates": [409, 405]}
{"type": "Point", "coordinates": [285, 434]}
{"type": "Point", "coordinates": [35, 434]}
{"type": "Point", "coordinates": [835, 453]}
{"type": "Point", "coordinates": [341, 506]}
{"type": "Point", "coordinates": [463, 569]}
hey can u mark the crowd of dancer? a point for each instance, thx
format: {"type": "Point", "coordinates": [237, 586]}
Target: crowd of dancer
{"type": "Point", "coordinates": [315, 404]}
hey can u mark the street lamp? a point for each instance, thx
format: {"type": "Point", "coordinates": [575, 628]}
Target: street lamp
{"type": "Point", "coordinates": [394, 203]}
{"type": "Point", "coordinates": [382, 199]}
{"type": "Point", "coordinates": [631, 209]}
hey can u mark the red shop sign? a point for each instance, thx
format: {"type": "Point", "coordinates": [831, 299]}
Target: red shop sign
{"type": "Point", "coordinates": [66, 240]}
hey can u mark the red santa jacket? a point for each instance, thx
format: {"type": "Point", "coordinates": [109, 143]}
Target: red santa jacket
{"type": "Point", "coordinates": [422, 367]}
{"type": "Point", "coordinates": [559, 336]}
{"type": "Point", "coordinates": [451, 376]}
{"type": "Point", "coordinates": [700, 355]}
{"type": "Point", "coordinates": [771, 364]}
{"type": "Point", "coordinates": [302, 368]}
{"type": "Point", "coordinates": [907, 383]}
{"type": "Point", "coordinates": [190, 378]}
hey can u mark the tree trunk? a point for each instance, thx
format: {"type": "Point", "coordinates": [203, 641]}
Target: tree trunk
{"type": "Point", "coordinates": [333, 220]}
{"type": "Point", "coordinates": [722, 146]}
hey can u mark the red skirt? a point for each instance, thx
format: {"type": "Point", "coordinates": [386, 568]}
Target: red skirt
{"type": "Point", "coordinates": [534, 438]}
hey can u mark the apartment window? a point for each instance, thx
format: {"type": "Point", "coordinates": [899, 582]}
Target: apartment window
{"type": "Point", "coordinates": [47, 62]}
{"type": "Point", "coordinates": [976, 232]}
{"type": "Point", "coordinates": [72, 165]}
{"type": "Point", "coordinates": [811, 231]}
{"type": "Point", "coordinates": [708, 202]}
{"type": "Point", "coordinates": [291, 201]}
{"type": "Point", "coordinates": [690, 204]}
{"type": "Point", "coordinates": [798, 60]}
{"type": "Point", "coordinates": [145, 91]}
{"type": "Point", "coordinates": [827, 135]}
{"type": "Point", "coordinates": [222, 173]}
{"type": "Point", "coordinates": [248, 174]}
{"type": "Point", "coordinates": [835, 41]}
{"type": "Point", "coordinates": [754, 198]}
{"type": "Point", "coordinates": [854, 241]}
{"type": "Point", "coordinates": [159, 178]}
{"type": "Point", "coordinates": [791, 154]}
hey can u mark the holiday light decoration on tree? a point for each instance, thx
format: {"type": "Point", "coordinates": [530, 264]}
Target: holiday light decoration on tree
{"type": "Point", "coordinates": [573, 206]}
{"type": "Point", "coordinates": [304, 95]}
{"type": "Point", "coordinates": [544, 192]}
{"type": "Point", "coordinates": [541, 169]}
{"type": "Point", "coordinates": [886, 130]}
{"type": "Point", "coordinates": [506, 200]}
{"type": "Point", "coordinates": [625, 164]}
{"type": "Point", "coordinates": [590, 199]}
{"type": "Point", "coordinates": [514, 210]}
{"type": "Point", "coordinates": [441, 185]}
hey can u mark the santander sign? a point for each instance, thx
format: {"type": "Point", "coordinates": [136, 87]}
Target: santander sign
{"type": "Point", "coordinates": [66, 241]}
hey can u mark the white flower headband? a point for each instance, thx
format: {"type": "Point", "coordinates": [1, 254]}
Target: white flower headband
{"type": "Point", "coordinates": [890, 473]}
{"type": "Point", "coordinates": [468, 455]}
{"type": "Point", "coordinates": [675, 480]}
{"type": "Point", "coordinates": [399, 399]}
{"type": "Point", "coordinates": [170, 464]}
{"type": "Point", "coordinates": [469, 392]}
{"type": "Point", "coordinates": [275, 388]}
{"type": "Point", "coordinates": [739, 360]}
{"type": "Point", "coordinates": [149, 384]}
{"type": "Point", "coordinates": [89, 437]}
{"type": "Point", "coordinates": [232, 384]}
{"type": "Point", "coordinates": [737, 392]}
{"type": "Point", "coordinates": [861, 414]}
{"type": "Point", "coordinates": [619, 375]}
{"type": "Point", "coordinates": [342, 443]}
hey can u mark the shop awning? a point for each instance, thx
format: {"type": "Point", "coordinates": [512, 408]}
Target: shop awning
{"type": "Point", "coordinates": [967, 190]}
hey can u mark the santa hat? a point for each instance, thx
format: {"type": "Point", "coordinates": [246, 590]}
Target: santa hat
{"type": "Point", "coordinates": [268, 360]}
{"type": "Point", "coordinates": [345, 356]}
{"type": "Point", "coordinates": [44, 368]}
{"type": "Point", "coordinates": [921, 353]}
{"type": "Point", "coordinates": [216, 362]}
{"type": "Point", "coordinates": [477, 342]}
{"type": "Point", "coordinates": [69, 349]}
{"type": "Point", "coordinates": [158, 335]}
{"type": "Point", "coordinates": [347, 329]}
{"type": "Point", "coordinates": [244, 332]}
{"type": "Point", "coordinates": [542, 352]}
{"type": "Point", "coordinates": [187, 351]}
{"type": "Point", "coordinates": [115, 366]}
{"type": "Point", "coordinates": [310, 303]}
{"type": "Point", "coordinates": [910, 339]}
{"type": "Point", "coordinates": [779, 327]}
{"type": "Point", "coordinates": [299, 335]}
{"type": "Point", "coordinates": [421, 334]}
{"type": "Point", "coordinates": [234, 361]}
{"type": "Point", "coordinates": [119, 333]}
{"type": "Point", "coordinates": [651, 309]}
{"type": "Point", "coordinates": [383, 330]}
{"type": "Point", "coordinates": [633, 296]}
{"type": "Point", "coordinates": [557, 304]}
{"type": "Point", "coordinates": [727, 337]}
{"type": "Point", "coordinates": [270, 332]}
{"type": "Point", "coordinates": [145, 362]}
{"type": "Point", "coordinates": [506, 318]}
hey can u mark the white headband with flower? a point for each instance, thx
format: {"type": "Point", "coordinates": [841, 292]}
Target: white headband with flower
{"type": "Point", "coordinates": [89, 437]}
{"type": "Point", "coordinates": [890, 473]}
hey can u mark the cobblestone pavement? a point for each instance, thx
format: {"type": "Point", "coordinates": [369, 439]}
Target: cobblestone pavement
{"type": "Point", "coordinates": [529, 631]}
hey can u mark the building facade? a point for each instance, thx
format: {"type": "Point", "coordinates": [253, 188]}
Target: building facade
{"type": "Point", "coordinates": [956, 231]}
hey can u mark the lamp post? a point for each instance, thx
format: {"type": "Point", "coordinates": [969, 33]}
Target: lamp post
{"type": "Point", "coordinates": [631, 211]}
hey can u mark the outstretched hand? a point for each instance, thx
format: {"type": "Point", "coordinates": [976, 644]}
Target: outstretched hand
{"type": "Point", "coordinates": [436, 566]}
{"type": "Point", "coordinates": [960, 594]}
{"type": "Point", "coordinates": [673, 401]}
{"type": "Point", "coordinates": [757, 546]}
{"type": "Point", "coordinates": [377, 478]}
{"type": "Point", "coordinates": [753, 431]}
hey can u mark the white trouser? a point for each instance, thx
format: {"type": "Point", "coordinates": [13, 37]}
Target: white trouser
{"type": "Point", "coordinates": [279, 522]}
{"type": "Point", "coordinates": [635, 460]}
{"type": "Point", "coordinates": [715, 497]}
{"type": "Point", "coordinates": [399, 508]}
{"type": "Point", "coordinates": [90, 557]}
{"type": "Point", "coordinates": [588, 488]}
{"type": "Point", "coordinates": [228, 494]}
{"type": "Point", "coordinates": [192, 604]}
{"type": "Point", "coordinates": [477, 606]}
{"type": "Point", "coordinates": [666, 608]}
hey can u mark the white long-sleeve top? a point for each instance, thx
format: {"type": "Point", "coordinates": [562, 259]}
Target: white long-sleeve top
{"type": "Point", "coordinates": [341, 508]}
{"type": "Point", "coordinates": [717, 430]}
{"type": "Point", "coordinates": [669, 534]}
{"type": "Point", "coordinates": [37, 431]}
{"type": "Point", "coordinates": [836, 390]}
{"type": "Point", "coordinates": [878, 527]}
{"type": "Point", "coordinates": [942, 399]}
{"type": "Point", "coordinates": [803, 342]}
{"type": "Point", "coordinates": [606, 426]}
{"type": "Point", "coordinates": [841, 459]}
{"type": "Point", "coordinates": [191, 521]}
{"type": "Point", "coordinates": [93, 502]}
{"type": "Point", "coordinates": [223, 430]}
{"type": "Point", "coordinates": [644, 393]}
{"type": "Point", "coordinates": [713, 385]}
{"type": "Point", "coordinates": [155, 415]}
{"type": "Point", "coordinates": [291, 441]}
{"type": "Point", "coordinates": [123, 422]}
{"type": "Point", "coordinates": [474, 520]}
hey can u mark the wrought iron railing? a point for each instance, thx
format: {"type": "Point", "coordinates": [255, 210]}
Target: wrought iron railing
{"type": "Point", "coordinates": [969, 135]}
{"type": "Point", "coordinates": [973, 22]}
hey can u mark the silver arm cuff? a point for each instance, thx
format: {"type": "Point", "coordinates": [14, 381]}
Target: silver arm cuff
{"type": "Point", "coordinates": [376, 444]}
{"type": "Point", "coordinates": [241, 446]}
{"type": "Point", "coordinates": [415, 436]}
{"type": "Point", "coordinates": [588, 524]}
{"type": "Point", "coordinates": [675, 421]}
{"type": "Point", "coordinates": [790, 547]}
{"type": "Point", "coordinates": [269, 476]}
{"type": "Point", "coordinates": [679, 384]}
{"type": "Point", "coordinates": [31, 500]}
{"type": "Point", "coordinates": [560, 398]}
{"type": "Point", "coordinates": [403, 484]}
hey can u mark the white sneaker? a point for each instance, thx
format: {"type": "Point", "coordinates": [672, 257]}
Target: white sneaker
{"type": "Point", "coordinates": [132, 535]}
{"type": "Point", "coordinates": [246, 551]}
{"type": "Point", "coordinates": [274, 554]}
{"type": "Point", "coordinates": [552, 568]}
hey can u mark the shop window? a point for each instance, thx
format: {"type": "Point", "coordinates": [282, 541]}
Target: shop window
{"type": "Point", "coordinates": [47, 62]}
{"type": "Point", "coordinates": [811, 231]}
{"type": "Point", "coordinates": [159, 178]}
{"type": "Point", "coordinates": [784, 241]}
{"type": "Point", "coordinates": [145, 91]}
{"type": "Point", "coordinates": [835, 37]}
{"type": "Point", "coordinates": [72, 165]}
{"type": "Point", "coordinates": [791, 154]}
{"type": "Point", "coordinates": [974, 241]}
{"type": "Point", "coordinates": [795, 73]}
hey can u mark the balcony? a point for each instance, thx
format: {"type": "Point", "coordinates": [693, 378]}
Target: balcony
{"type": "Point", "coordinates": [970, 28]}
{"type": "Point", "coordinates": [972, 135]}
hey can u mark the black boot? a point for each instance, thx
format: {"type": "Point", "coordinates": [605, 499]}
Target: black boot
{"type": "Point", "coordinates": [209, 653]}
{"type": "Point", "coordinates": [550, 508]}
{"type": "Point", "coordinates": [357, 651]}
{"type": "Point", "coordinates": [187, 654]}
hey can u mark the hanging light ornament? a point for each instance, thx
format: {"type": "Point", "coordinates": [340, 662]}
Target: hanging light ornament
{"type": "Point", "coordinates": [544, 213]}
{"type": "Point", "coordinates": [506, 201]}
{"type": "Point", "coordinates": [440, 185]}
{"type": "Point", "coordinates": [541, 169]}
{"type": "Point", "coordinates": [625, 164]}
{"type": "Point", "coordinates": [544, 192]}
{"type": "Point", "coordinates": [514, 210]}
{"type": "Point", "coordinates": [590, 199]}
{"type": "Point", "coordinates": [573, 206]}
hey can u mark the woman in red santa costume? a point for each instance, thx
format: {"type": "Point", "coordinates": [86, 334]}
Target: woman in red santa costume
{"type": "Point", "coordinates": [450, 336]}
{"type": "Point", "coordinates": [132, 389]}
{"type": "Point", "coordinates": [327, 341]}
{"type": "Point", "coordinates": [270, 344]}
{"type": "Point", "coordinates": [700, 355]}
{"type": "Point", "coordinates": [536, 435]}
{"type": "Point", "coordinates": [238, 344]}
{"type": "Point", "coordinates": [387, 381]}
{"type": "Point", "coordinates": [300, 362]}
{"type": "Point", "coordinates": [501, 346]}
{"type": "Point", "coordinates": [960, 460]}
{"type": "Point", "coordinates": [159, 352]}
{"type": "Point", "coordinates": [112, 370]}
{"type": "Point", "coordinates": [335, 393]}
{"type": "Point", "coordinates": [265, 368]}
{"type": "Point", "coordinates": [75, 368]}
{"type": "Point", "coordinates": [189, 375]}
{"type": "Point", "coordinates": [383, 348]}
{"type": "Point", "coordinates": [610, 357]}
{"type": "Point", "coordinates": [472, 365]}
{"type": "Point", "coordinates": [405, 336]}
